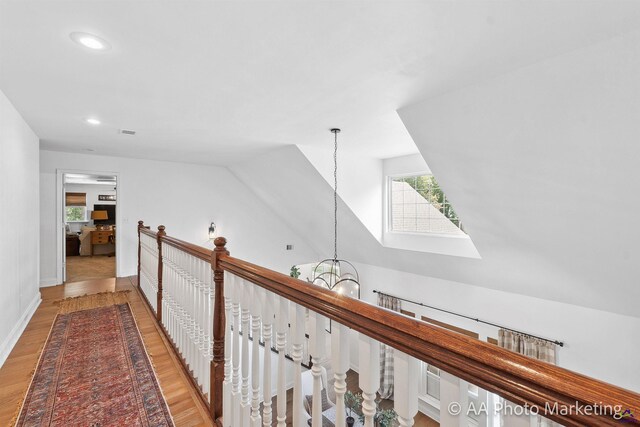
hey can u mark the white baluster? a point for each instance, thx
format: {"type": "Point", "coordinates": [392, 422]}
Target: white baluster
{"type": "Point", "coordinates": [246, 401]}
{"type": "Point", "coordinates": [282, 326]}
{"type": "Point", "coordinates": [235, 387]}
{"type": "Point", "coordinates": [188, 308]}
{"type": "Point", "coordinates": [405, 387]}
{"type": "Point", "coordinates": [369, 357]}
{"type": "Point", "coordinates": [256, 325]}
{"type": "Point", "coordinates": [297, 337]}
{"type": "Point", "coordinates": [317, 349]}
{"type": "Point", "coordinates": [228, 340]}
{"type": "Point", "coordinates": [268, 313]}
{"type": "Point", "coordinates": [340, 363]}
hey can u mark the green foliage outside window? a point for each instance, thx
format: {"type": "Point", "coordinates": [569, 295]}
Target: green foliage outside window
{"type": "Point", "coordinates": [75, 213]}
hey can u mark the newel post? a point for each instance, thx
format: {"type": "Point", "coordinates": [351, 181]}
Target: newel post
{"type": "Point", "coordinates": [140, 225]}
{"type": "Point", "coordinates": [161, 233]}
{"type": "Point", "coordinates": [217, 364]}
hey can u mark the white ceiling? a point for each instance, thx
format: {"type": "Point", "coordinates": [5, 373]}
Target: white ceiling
{"type": "Point", "coordinates": [214, 82]}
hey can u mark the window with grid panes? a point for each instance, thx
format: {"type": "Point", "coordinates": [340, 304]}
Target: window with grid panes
{"type": "Point", "coordinates": [417, 204]}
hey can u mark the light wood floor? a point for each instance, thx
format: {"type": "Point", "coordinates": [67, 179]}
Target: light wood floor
{"type": "Point", "coordinates": [15, 374]}
{"type": "Point", "coordinates": [80, 268]}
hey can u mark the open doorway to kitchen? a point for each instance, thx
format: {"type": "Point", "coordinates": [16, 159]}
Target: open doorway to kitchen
{"type": "Point", "coordinates": [89, 213]}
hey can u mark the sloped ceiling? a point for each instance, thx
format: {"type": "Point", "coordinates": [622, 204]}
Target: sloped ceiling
{"type": "Point", "coordinates": [543, 165]}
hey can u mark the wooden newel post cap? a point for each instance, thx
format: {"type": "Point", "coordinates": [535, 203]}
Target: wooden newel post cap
{"type": "Point", "coordinates": [220, 243]}
{"type": "Point", "coordinates": [140, 224]}
{"type": "Point", "coordinates": [161, 230]}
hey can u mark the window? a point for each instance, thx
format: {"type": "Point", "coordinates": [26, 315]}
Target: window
{"type": "Point", "coordinates": [75, 213]}
{"type": "Point", "coordinates": [418, 204]}
{"type": "Point", "coordinates": [430, 384]}
{"type": "Point", "coordinates": [75, 207]}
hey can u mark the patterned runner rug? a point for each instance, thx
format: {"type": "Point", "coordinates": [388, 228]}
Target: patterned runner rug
{"type": "Point", "coordinates": [94, 371]}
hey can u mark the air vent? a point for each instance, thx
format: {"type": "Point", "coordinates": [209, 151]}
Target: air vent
{"type": "Point", "coordinates": [127, 132]}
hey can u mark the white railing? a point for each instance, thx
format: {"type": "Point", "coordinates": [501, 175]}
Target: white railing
{"type": "Point", "coordinates": [216, 310]}
{"type": "Point", "coordinates": [187, 309]}
{"type": "Point", "coordinates": [149, 269]}
{"type": "Point", "coordinates": [245, 388]}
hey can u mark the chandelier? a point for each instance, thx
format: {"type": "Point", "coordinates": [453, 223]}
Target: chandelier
{"type": "Point", "coordinates": [333, 273]}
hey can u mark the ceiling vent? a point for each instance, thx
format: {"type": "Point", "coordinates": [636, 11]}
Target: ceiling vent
{"type": "Point", "coordinates": [127, 132]}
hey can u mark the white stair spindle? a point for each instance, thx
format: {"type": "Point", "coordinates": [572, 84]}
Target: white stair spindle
{"type": "Point", "coordinates": [235, 384]}
{"type": "Point", "coordinates": [246, 317]}
{"type": "Point", "coordinates": [340, 363]}
{"type": "Point", "coordinates": [282, 327]}
{"type": "Point", "coordinates": [256, 325]}
{"type": "Point", "coordinates": [226, 385]}
{"type": "Point", "coordinates": [405, 387]}
{"type": "Point", "coordinates": [317, 350]}
{"type": "Point", "coordinates": [369, 358]}
{"type": "Point", "coordinates": [268, 314]}
{"type": "Point", "coordinates": [297, 338]}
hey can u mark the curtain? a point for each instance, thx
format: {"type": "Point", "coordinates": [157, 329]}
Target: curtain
{"type": "Point", "coordinates": [531, 347]}
{"type": "Point", "coordinates": [75, 199]}
{"type": "Point", "coordinates": [386, 352]}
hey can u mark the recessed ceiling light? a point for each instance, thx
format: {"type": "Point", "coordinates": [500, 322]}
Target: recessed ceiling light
{"type": "Point", "coordinates": [90, 41]}
{"type": "Point", "coordinates": [93, 121]}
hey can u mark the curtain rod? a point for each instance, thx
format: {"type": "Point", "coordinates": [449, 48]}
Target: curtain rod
{"type": "Point", "coordinates": [560, 343]}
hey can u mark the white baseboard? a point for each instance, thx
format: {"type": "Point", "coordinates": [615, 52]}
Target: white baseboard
{"type": "Point", "coordinates": [49, 282]}
{"type": "Point", "coordinates": [18, 329]}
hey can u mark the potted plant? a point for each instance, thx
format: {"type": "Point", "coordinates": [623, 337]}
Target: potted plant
{"type": "Point", "coordinates": [295, 272]}
{"type": "Point", "coordinates": [385, 418]}
{"type": "Point", "coordinates": [352, 403]}
{"type": "Point", "coordinates": [382, 417]}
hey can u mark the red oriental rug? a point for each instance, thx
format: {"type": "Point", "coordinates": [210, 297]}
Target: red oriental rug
{"type": "Point", "coordinates": [94, 371]}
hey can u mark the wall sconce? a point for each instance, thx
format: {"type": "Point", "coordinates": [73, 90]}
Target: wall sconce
{"type": "Point", "coordinates": [212, 231]}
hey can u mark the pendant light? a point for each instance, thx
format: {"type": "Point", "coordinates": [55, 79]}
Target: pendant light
{"type": "Point", "coordinates": [333, 273]}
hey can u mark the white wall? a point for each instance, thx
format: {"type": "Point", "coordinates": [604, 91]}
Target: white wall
{"type": "Point", "coordinates": [92, 191]}
{"type": "Point", "coordinates": [19, 245]}
{"type": "Point", "coordinates": [597, 343]}
{"type": "Point", "coordinates": [360, 182]}
{"type": "Point", "coordinates": [183, 197]}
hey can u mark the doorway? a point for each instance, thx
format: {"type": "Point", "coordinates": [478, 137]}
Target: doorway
{"type": "Point", "coordinates": [89, 213]}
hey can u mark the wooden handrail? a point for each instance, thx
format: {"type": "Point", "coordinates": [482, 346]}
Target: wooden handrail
{"type": "Point", "coordinates": [195, 250]}
{"type": "Point", "coordinates": [515, 377]}
{"type": "Point", "coordinates": [146, 230]}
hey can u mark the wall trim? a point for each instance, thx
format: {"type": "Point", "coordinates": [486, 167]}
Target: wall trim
{"type": "Point", "coordinates": [18, 329]}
